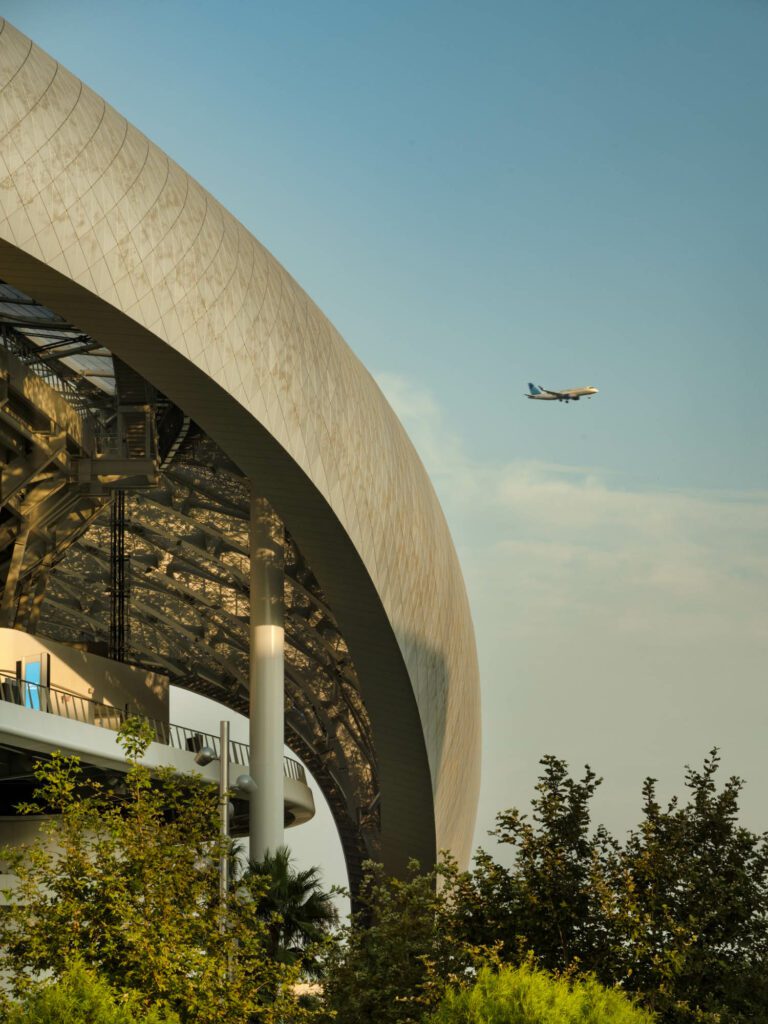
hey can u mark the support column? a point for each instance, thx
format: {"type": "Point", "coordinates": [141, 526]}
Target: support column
{"type": "Point", "coordinates": [266, 680]}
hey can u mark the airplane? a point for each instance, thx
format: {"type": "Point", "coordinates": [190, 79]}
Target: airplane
{"type": "Point", "coordinates": [569, 395]}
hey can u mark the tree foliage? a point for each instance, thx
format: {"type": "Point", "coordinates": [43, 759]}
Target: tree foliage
{"type": "Point", "coordinates": [399, 950]}
{"type": "Point", "coordinates": [678, 914]}
{"type": "Point", "coordinates": [79, 996]}
{"type": "Point", "coordinates": [686, 901]}
{"type": "Point", "coordinates": [126, 880]}
{"type": "Point", "coordinates": [525, 995]}
{"type": "Point", "coordinates": [297, 912]}
{"type": "Point", "coordinates": [546, 902]}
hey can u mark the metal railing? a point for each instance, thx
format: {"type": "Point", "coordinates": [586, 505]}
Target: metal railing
{"type": "Point", "coordinates": [66, 704]}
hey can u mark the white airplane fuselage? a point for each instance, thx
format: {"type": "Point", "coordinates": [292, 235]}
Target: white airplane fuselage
{"type": "Point", "coordinates": [566, 395]}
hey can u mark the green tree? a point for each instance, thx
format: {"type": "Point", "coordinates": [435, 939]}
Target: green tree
{"type": "Point", "coordinates": [127, 882]}
{"type": "Point", "coordinates": [688, 905]}
{"type": "Point", "coordinates": [297, 912]}
{"type": "Point", "coordinates": [525, 995]}
{"type": "Point", "coordinates": [678, 914]}
{"type": "Point", "coordinates": [546, 901]}
{"type": "Point", "coordinates": [398, 951]}
{"type": "Point", "coordinates": [79, 996]}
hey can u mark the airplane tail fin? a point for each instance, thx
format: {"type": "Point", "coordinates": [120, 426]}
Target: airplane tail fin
{"type": "Point", "coordinates": [534, 390]}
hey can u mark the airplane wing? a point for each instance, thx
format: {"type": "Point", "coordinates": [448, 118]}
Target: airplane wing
{"type": "Point", "coordinates": [557, 394]}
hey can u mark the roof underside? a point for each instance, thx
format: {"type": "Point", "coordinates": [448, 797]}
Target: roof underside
{"type": "Point", "coordinates": [186, 578]}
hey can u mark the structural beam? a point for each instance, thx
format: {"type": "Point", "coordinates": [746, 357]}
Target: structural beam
{"type": "Point", "coordinates": [8, 601]}
{"type": "Point", "coordinates": [23, 470]}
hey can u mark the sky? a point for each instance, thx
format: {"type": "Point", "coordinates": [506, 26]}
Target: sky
{"type": "Point", "coordinates": [481, 195]}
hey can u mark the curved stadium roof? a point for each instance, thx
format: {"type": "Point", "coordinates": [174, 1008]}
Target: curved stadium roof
{"type": "Point", "coordinates": [127, 285]}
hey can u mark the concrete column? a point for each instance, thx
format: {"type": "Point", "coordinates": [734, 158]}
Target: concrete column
{"type": "Point", "coordinates": [266, 680]}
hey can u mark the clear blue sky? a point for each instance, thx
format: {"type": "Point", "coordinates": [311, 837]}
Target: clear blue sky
{"type": "Point", "coordinates": [479, 195]}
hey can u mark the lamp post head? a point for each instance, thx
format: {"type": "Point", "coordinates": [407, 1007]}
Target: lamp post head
{"type": "Point", "coordinates": [246, 784]}
{"type": "Point", "coordinates": [205, 755]}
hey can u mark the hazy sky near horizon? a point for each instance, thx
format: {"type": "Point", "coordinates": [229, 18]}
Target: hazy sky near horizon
{"type": "Point", "coordinates": [479, 195]}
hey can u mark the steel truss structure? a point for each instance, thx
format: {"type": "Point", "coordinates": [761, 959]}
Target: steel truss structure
{"type": "Point", "coordinates": [124, 529]}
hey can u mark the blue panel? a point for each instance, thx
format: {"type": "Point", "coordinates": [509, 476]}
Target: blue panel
{"type": "Point", "coordinates": [32, 674]}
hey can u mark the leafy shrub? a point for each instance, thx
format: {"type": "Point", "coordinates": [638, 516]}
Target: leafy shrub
{"type": "Point", "coordinates": [80, 997]}
{"type": "Point", "coordinates": [526, 995]}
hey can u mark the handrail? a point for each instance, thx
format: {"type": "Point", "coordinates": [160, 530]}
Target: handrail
{"type": "Point", "coordinates": [66, 704]}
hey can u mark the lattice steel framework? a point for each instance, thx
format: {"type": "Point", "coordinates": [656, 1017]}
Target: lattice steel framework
{"type": "Point", "coordinates": [179, 604]}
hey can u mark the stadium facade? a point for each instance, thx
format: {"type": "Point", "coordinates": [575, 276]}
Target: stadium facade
{"type": "Point", "coordinates": [203, 487]}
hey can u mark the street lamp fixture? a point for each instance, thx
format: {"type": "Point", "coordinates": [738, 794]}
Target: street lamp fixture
{"type": "Point", "coordinates": [205, 755]}
{"type": "Point", "coordinates": [245, 784]}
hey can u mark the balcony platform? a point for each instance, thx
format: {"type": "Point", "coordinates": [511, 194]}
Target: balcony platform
{"type": "Point", "coordinates": [35, 721]}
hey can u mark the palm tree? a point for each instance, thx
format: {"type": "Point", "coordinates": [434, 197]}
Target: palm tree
{"type": "Point", "coordinates": [297, 912]}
